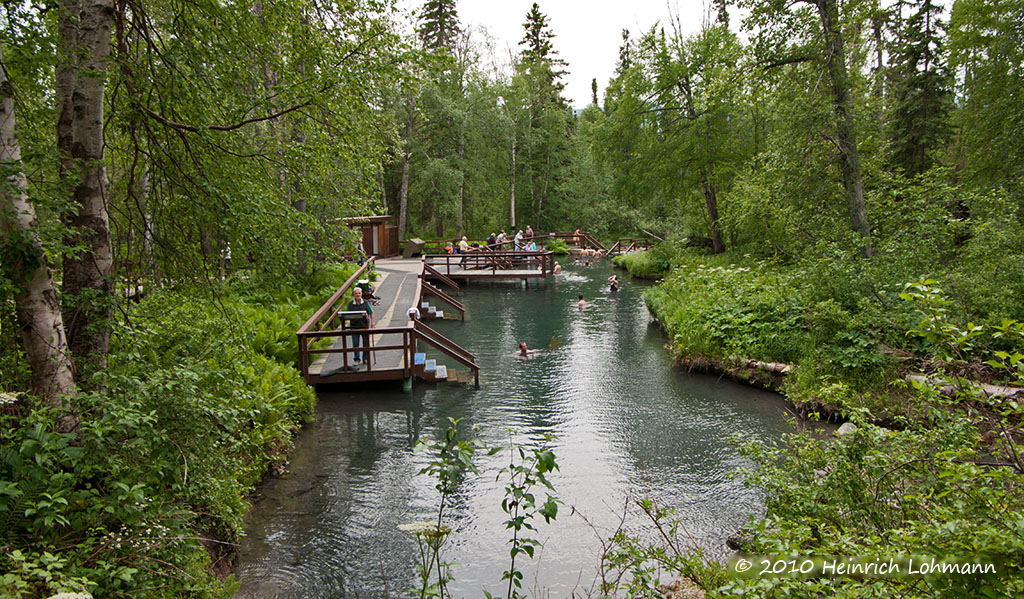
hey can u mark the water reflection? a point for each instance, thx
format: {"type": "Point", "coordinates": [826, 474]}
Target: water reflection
{"type": "Point", "coordinates": [627, 424]}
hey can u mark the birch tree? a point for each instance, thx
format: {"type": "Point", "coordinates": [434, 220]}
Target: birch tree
{"type": "Point", "coordinates": [84, 29]}
{"type": "Point", "coordinates": [26, 264]}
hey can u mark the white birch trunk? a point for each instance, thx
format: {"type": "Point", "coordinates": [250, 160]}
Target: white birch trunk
{"type": "Point", "coordinates": [37, 304]}
{"type": "Point", "coordinates": [85, 28]}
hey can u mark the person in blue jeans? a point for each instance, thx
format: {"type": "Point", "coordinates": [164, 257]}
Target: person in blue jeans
{"type": "Point", "coordinates": [359, 305]}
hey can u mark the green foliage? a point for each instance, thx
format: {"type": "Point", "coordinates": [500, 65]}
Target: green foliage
{"type": "Point", "coordinates": [729, 310]}
{"type": "Point", "coordinates": [200, 400]}
{"type": "Point", "coordinates": [948, 483]}
{"type": "Point", "coordinates": [526, 470]}
{"type": "Point", "coordinates": [922, 85]}
{"type": "Point", "coordinates": [557, 246]}
{"type": "Point", "coordinates": [637, 562]}
{"type": "Point", "coordinates": [648, 264]}
{"type": "Point", "coordinates": [13, 366]}
{"type": "Point", "coordinates": [451, 458]}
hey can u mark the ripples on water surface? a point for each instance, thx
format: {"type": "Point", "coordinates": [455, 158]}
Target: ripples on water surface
{"type": "Point", "coordinates": [626, 422]}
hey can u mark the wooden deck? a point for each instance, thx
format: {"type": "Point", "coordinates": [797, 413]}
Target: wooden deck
{"type": "Point", "coordinates": [485, 264]}
{"type": "Point", "coordinates": [393, 340]}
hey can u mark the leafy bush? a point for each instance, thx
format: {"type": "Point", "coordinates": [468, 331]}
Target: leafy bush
{"type": "Point", "coordinates": [921, 491]}
{"type": "Point", "coordinates": [648, 264]}
{"type": "Point", "coordinates": [557, 246]}
{"type": "Point", "coordinates": [713, 308]}
{"type": "Point", "coordinates": [200, 400]}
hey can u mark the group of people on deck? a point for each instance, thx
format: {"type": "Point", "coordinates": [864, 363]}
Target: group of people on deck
{"type": "Point", "coordinates": [522, 241]}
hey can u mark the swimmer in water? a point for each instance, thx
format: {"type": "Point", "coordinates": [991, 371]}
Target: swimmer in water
{"type": "Point", "coordinates": [582, 303]}
{"type": "Point", "coordinates": [614, 282]}
{"type": "Point", "coordinates": [524, 351]}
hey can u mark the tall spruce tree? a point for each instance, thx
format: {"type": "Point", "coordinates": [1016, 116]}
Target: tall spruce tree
{"type": "Point", "coordinates": [439, 25]}
{"type": "Point", "coordinates": [546, 140]}
{"type": "Point", "coordinates": [922, 88]}
{"type": "Point", "coordinates": [539, 57]}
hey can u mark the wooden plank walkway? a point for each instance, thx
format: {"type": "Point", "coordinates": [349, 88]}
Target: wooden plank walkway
{"type": "Point", "coordinates": [394, 339]}
{"type": "Point", "coordinates": [399, 290]}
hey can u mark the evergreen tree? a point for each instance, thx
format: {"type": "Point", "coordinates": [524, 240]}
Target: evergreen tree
{"type": "Point", "coordinates": [439, 25]}
{"type": "Point", "coordinates": [545, 143]}
{"type": "Point", "coordinates": [539, 58]}
{"type": "Point", "coordinates": [919, 125]}
{"type": "Point", "coordinates": [625, 50]}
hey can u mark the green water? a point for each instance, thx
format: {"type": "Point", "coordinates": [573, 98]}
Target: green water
{"type": "Point", "coordinates": [627, 425]}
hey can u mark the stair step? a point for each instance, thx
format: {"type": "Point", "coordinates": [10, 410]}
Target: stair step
{"type": "Point", "coordinates": [442, 373]}
{"type": "Point", "coordinates": [424, 305]}
{"type": "Point", "coordinates": [432, 310]}
{"type": "Point", "coordinates": [418, 358]}
{"type": "Point", "coordinates": [429, 365]}
{"type": "Point", "coordinates": [438, 314]}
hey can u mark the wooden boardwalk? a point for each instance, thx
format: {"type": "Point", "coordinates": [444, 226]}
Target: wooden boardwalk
{"type": "Point", "coordinates": [399, 290]}
{"type": "Point", "coordinates": [395, 340]}
{"type": "Point", "coordinates": [486, 264]}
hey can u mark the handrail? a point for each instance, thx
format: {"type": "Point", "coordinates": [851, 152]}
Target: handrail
{"type": "Point", "coordinates": [441, 339]}
{"type": "Point", "coordinates": [328, 307]}
{"type": "Point", "coordinates": [495, 261]}
{"type": "Point", "coordinates": [594, 242]}
{"type": "Point", "coordinates": [452, 353]}
{"type": "Point", "coordinates": [336, 296]}
{"type": "Point", "coordinates": [405, 331]}
{"type": "Point", "coordinates": [577, 237]}
{"type": "Point", "coordinates": [341, 332]}
{"type": "Point", "coordinates": [428, 288]}
{"type": "Point", "coordinates": [444, 278]}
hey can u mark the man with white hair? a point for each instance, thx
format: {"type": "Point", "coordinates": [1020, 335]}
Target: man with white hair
{"type": "Point", "coordinates": [366, 322]}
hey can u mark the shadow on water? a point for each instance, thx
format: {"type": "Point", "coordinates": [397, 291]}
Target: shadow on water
{"type": "Point", "coordinates": [627, 424]}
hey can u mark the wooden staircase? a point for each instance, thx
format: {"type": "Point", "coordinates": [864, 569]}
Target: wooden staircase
{"type": "Point", "coordinates": [431, 371]}
{"type": "Point", "coordinates": [428, 312]}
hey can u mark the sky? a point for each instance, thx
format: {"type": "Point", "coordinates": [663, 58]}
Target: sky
{"type": "Point", "coordinates": [588, 33]}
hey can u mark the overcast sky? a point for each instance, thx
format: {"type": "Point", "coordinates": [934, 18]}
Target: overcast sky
{"type": "Point", "coordinates": [587, 32]}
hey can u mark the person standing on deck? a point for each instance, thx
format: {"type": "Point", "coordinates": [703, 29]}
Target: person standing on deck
{"type": "Point", "coordinates": [517, 241]}
{"type": "Point", "coordinates": [491, 240]}
{"type": "Point", "coordinates": [500, 240]}
{"type": "Point", "coordinates": [463, 249]}
{"type": "Point", "coordinates": [358, 305]}
{"type": "Point", "coordinates": [529, 234]}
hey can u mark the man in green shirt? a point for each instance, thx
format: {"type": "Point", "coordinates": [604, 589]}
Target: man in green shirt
{"type": "Point", "coordinates": [359, 305]}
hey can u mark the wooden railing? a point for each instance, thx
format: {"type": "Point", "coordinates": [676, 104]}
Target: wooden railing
{"type": "Point", "coordinates": [326, 323]}
{"type": "Point", "coordinates": [629, 244]}
{"type": "Point", "coordinates": [579, 239]}
{"type": "Point", "coordinates": [323, 318]}
{"type": "Point", "coordinates": [429, 270]}
{"type": "Point", "coordinates": [441, 295]}
{"type": "Point", "coordinates": [306, 338]}
{"type": "Point", "coordinates": [496, 262]}
{"type": "Point", "coordinates": [448, 347]}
